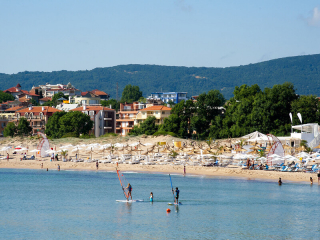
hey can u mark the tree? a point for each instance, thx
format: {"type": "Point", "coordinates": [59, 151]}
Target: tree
{"type": "Point", "coordinates": [4, 97]}
{"type": "Point", "coordinates": [54, 101]}
{"type": "Point", "coordinates": [131, 94]}
{"type": "Point", "coordinates": [113, 102]}
{"type": "Point", "coordinates": [10, 130]}
{"type": "Point", "coordinates": [75, 122]}
{"type": "Point", "coordinates": [309, 108]}
{"type": "Point", "coordinates": [147, 127]}
{"type": "Point", "coordinates": [53, 125]}
{"type": "Point", "coordinates": [24, 128]}
{"type": "Point", "coordinates": [34, 102]}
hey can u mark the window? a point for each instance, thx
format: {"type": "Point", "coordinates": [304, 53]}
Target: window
{"type": "Point", "coordinates": [157, 112]}
{"type": "Point", "coordinates": [163, 112]}
{"type": "Point", "coordinates": [26, 115]}
{"type": "Point", "coordinates": [41, 115]}
{"type": "Point", "coordinates": [91, 113]}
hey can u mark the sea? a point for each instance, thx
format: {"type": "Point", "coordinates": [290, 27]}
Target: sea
{"type": "Point", "coordinates": [40, 204]}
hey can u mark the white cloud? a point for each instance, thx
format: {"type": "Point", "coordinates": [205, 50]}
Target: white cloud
{"type": "Point", "coordinates": [314, 20]}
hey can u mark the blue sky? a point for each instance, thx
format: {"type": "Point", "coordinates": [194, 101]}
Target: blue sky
{"type": "Point", "coordinates": [37, 35]}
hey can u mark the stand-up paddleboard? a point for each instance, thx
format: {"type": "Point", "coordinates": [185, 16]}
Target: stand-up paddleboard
{"type": "Point", "coordinates": [130, 201]}
{"type": "Point", "coordinates": [175, 203]}
{"type": "Point", "coordinates": [125, 190]}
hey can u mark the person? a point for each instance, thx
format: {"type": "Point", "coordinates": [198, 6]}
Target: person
{"type": "Point", "coordinates": [176, 195]}
{"type": "Point", "coordinates": [311, 180]}
{"type": "Point", "coordinates": [76, 156]}
{"type": "Point", "coordinates": [47, 169]}
{"type": "Point", "coordinates": [97, 165]}
{"type": "Point", "coordinates": [41, 165]}
{"type": "Point", "coordinates": [52, 157]}
{"type": "Point", "coordinates": [151, 197]}
{"type": "Point", "coordinates": [267, 167]}
{"type": "Point", "coordinates": [318, 176]}
{"type": "Point", "coordinates": [58, 167]}
{"type": "Point", "coordinates": [129, 187]}
{"type": "Point", "coordinates": [8, 157]}
{"type": "Point", "coordinates": [57, 157]}
{"type": "Point", "coordinates": [280, 182]}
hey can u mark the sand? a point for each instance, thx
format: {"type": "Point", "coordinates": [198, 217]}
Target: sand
{"type": "Point", "coordinates": [223, 172]}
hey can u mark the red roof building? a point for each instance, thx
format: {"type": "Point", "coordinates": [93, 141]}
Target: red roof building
{"type": "Point", "coordinates": [37, 116]}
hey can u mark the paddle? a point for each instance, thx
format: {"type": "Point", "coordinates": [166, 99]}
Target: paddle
{"type": "Point", "coordinates": [172, 188]}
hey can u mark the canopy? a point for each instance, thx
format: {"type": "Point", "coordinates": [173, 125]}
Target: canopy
{"type": "Point", "coordinates": [256, 137]}
{"type": "Point", "coordinates": [308, 128]}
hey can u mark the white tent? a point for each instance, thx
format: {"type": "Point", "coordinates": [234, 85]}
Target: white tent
{"type": "Point", "coordinates": [256, 137]}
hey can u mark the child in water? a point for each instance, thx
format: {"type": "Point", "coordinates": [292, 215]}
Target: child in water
{"type": "Point", "coordinates": [151, 197]}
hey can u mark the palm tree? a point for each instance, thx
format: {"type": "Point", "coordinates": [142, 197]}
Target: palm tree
{"type": "Point", "coordinates": [64, 154]}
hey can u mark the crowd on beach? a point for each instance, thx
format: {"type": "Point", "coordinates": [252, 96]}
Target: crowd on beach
{"type": "Point", "coordinates": [175, 155]}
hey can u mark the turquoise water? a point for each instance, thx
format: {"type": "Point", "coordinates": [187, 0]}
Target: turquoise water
{"type": "Point", "coordinates": [35, 204]}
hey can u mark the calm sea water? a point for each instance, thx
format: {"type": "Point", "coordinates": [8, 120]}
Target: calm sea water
{"type": "Point", "coordinates": [35, 204]}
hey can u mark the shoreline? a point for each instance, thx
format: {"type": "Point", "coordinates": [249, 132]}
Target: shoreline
{"type": "Point", "coordinates": [225, 172]}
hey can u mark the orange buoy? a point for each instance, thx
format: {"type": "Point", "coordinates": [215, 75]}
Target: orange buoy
{"type": "Point", "coordinates": [168, 210]}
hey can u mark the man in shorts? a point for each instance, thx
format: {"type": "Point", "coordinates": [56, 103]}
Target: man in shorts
{"type": "Point", "coordinates": [176, 195]}
{"type": "Point", "coordinates": [318, 176]}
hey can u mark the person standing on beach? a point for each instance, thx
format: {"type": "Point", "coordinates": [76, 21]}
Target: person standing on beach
{"type": "Point", "coordinates": [318, 176]}
{"type": "Point", "coordinates": [97, 164]}
{"type": "Point", "coordinates": [311, 180]}
{"type": "Point", "coordinates": [184, 170]}
{"type": "Point", "coordinates": [280, 182]}
{"type": "Point", "coordinates": [58, 167]}
{"type": "Point", "coordinates": [129, 191]}
{"type": "Point", "coordinates": [8, 157]}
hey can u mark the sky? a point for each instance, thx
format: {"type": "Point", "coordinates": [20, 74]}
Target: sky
{"type": "Point", "coordinates": [37, 35]}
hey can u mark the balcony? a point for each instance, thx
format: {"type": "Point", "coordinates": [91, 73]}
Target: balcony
{"type": "Point", "coordinates": [107, 127]}
{"type": "Point", "coordinates": [107, 119]}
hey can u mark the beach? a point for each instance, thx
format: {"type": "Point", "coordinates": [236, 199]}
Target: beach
{"type": "Point", "coordinates": [230, 171]}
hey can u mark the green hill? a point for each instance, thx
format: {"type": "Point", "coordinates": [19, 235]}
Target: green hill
{"type": "Point", "coordinates": [302, 71]}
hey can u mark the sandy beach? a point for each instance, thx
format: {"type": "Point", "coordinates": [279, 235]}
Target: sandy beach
{"type": "Point", "coordinates": [227, 172]}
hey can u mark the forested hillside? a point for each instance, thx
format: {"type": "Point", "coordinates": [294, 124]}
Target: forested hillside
{"type": "Point", "coordinates": [302, 71]}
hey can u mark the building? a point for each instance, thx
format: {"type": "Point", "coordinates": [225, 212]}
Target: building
{"type": "Point", "coordinates": [22, 95]}
{"type": "Point", "coordinates": [126, 117]}
{"type": "Point", "coordinates": [104, 119]}
{"type": "Point", "coordinates": [159, 112]}
{"type": "Point", "coordinates": [37, 116]}
{"type": "Point", "coordinates": [101, 94]}
{"type": "Point", "coordinates": [66, 107]}
{"type": "Point", "coordinates": [166, 97]}
{"type": "Point", "coordinates": [85, 98]}
{"type": "Point", "coordinates": [48, 90]}
{"type": "Point", "coordinates": [5, 117]}
{"type": "Point", "coordinates": [44, 100]}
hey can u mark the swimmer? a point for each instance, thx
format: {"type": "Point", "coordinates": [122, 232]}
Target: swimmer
{"type": "Point", "coordinates": [280, 182]}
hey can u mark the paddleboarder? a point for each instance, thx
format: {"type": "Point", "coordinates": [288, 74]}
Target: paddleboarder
{"type": "Point", "coordinates": [129, 191]}
{"type": "Point", "coordinates": [176, 195]}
